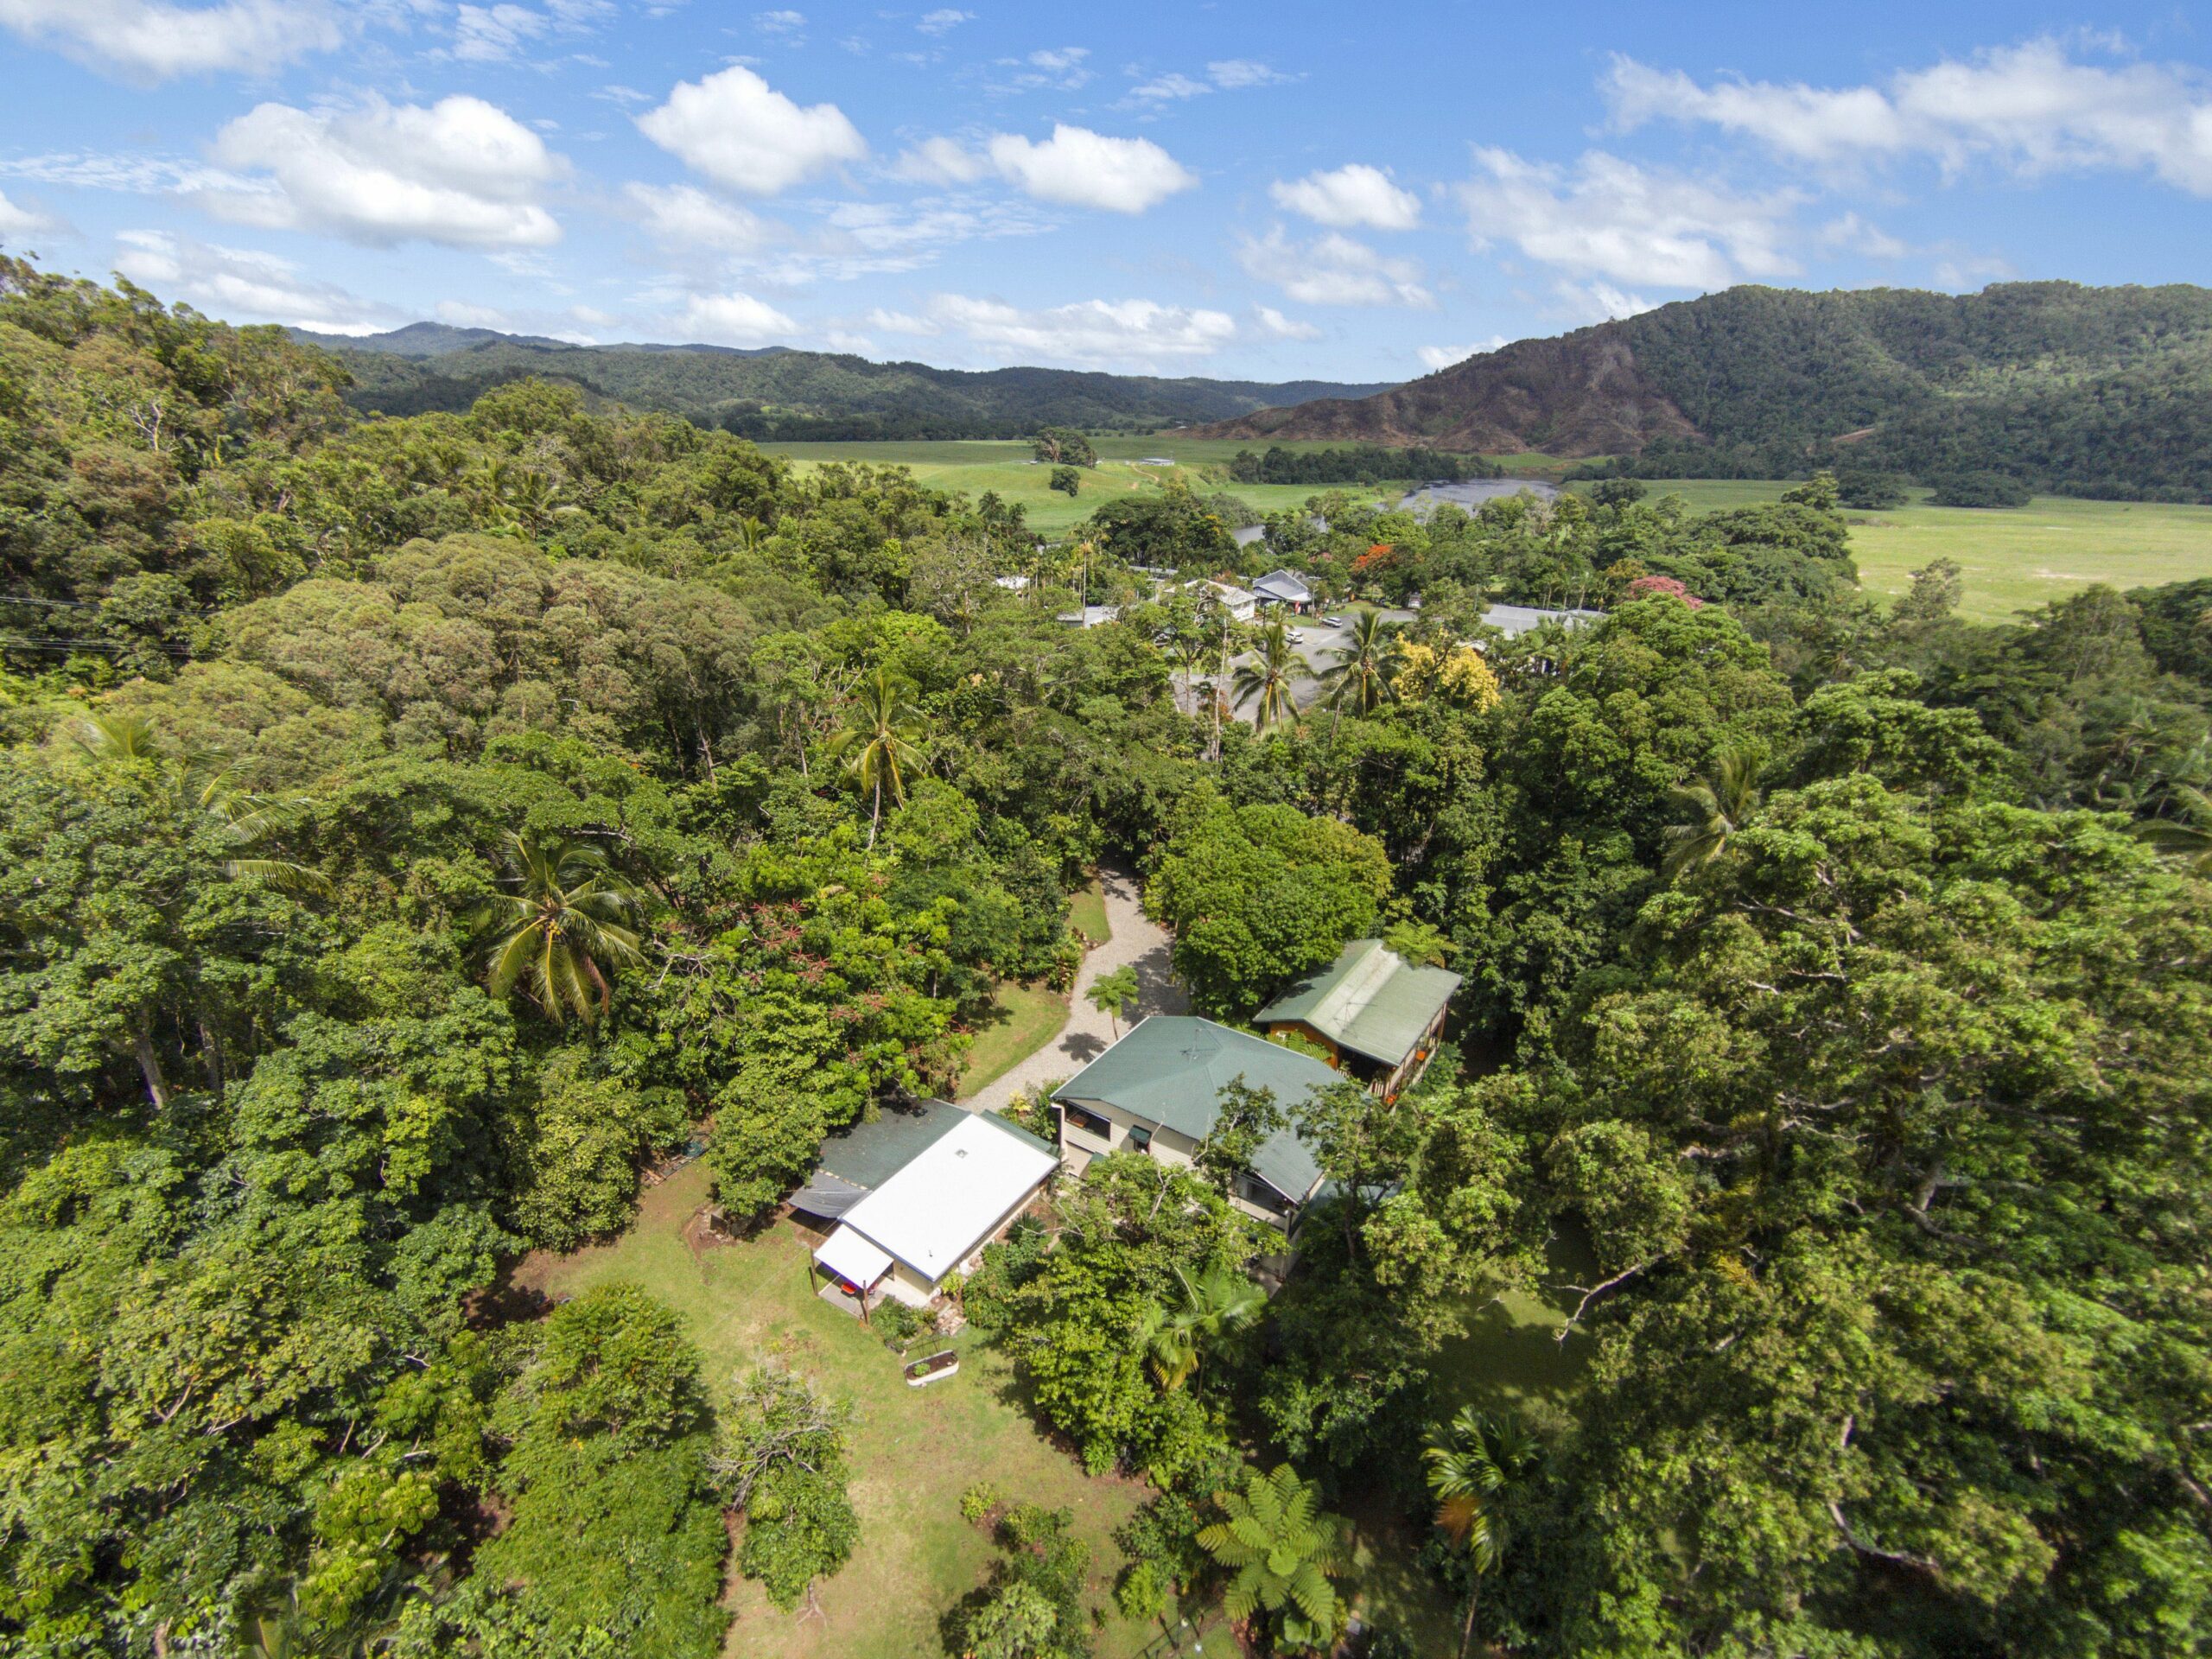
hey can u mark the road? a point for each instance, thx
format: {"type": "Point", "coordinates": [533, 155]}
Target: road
{"type": "Point", "coordinates": [1137, 941]}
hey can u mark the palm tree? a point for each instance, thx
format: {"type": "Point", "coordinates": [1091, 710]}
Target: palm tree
{"type": "Point", "coordinates": [1188, 653]}
{"type": "Point", "coordinates": [882, 741]}
{"type": "Point", "coordinates": [1113, 993]}
{"type": "Point", "coordinates": [1282, 1547]}
{"type": "Point", "coordinates": [568, 914]}
{"type": "Point", "coordinates": [201, 782]}
{"type": "Point", "coordinates": [1713, 809]}
{"type": "Point", "coordinates": [1364, 663]}
{"type": "Point", "coordinates": [2188, 838]}
{"type": "Point", "coordinates": [1209, 1308]}
{"type": "Point", "coordinates": [1469, 1463]}
{"type": "Point", "coordinates": [1269, 675]}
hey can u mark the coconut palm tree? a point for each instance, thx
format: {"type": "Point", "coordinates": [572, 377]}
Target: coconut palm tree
{"type": "Point", "coordinates": [882, 741]}
{"type": "Point", "coordinates": [565, 925]}
{"type": "Point", "coordinates": [1470, 1462]}
{"type": "Point", "coordinates": [1209, 1308]}
{"type": "Point", "coordinates": [1281, 1548]}
{"type": "Point", "coordinates": [2188, 838]}
{"type": "Point", "coordinates": [1189, 653]}
{"type": "Point", "coordinates": [200, 782]}
{"type": "Point", "coordinates": [1268, 677]}
{"type": "Point", "coordinates": [1713, 809]}
{"type": "Point", "coordinates": [1364, 665]}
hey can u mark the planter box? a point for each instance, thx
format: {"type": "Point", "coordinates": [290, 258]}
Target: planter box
{"type": "Point", "coordinates": [935, 1369]}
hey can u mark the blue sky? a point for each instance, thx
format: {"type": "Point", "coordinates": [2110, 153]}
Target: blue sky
{"type": "Point", "coordinates": [1249, 191]}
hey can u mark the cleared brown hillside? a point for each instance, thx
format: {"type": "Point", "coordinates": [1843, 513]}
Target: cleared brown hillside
{"type": "Point", "coordinates": [1577, 394]}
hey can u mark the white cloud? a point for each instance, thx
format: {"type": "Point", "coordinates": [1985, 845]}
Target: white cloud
{"type": "Point", "coordinates": [686, 217]}
{"type": "Point", "coordinates": [18, 221]}
{"type": "Point", "coordinates": [1090, 333]}
{"type": "Point", "coordinates": [1331, 269]}
{"type": "Point", "coordinates": [1613, 219]}
{"type": "Point", "coordinates": [1272, 322]}
{"type": "Point", "coordinates": [152, 40]}
{"type": "Point", "coordinates": [1598, 302]}
{"type": "Point", "coordinates": [779, 22]}
{"type": "Point", "coordinates": [1231, 74]}
{"type": "Point", "coordinates": [1060, 58]}
{"type": "Point", "coordinates": [460, 172]}
{"type": "Point", "coordinates": [1086, 169]}
{"type": "Point", "coordinates": [1166, 88]}
{"type": "Point", "coordinates": [1849, 233]}
{"type": "Point", "coordinates": [1355, 194]}
{"type": "Point", "coordinates": [942, 160]}
{"type": "Point", "coordinates": [591, 316]}
{"type": "Point", "coordinates": [2031, 109]}
{"type": "Point", "coordinates": [1443, 357]}
{"type": "Point", "coordinates": [734, 319]}
{"type": "Point", "coordinates": [462, 314]}
{"type": "Point", "coordinates": [741, 132]}
{"type": "Point", "coordinates": [241, 285]}
{"type": "Point", "coordinates": [493, 34]}
{"type": "Point", "coordinates": [943, 20]}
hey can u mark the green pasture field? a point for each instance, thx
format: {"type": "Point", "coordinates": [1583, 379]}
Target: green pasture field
{"type": "Point", "coordinates": [1004, 465]}
{"type": "Point", "coordinates": [2015, 559]}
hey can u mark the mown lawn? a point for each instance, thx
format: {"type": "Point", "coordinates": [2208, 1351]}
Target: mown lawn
{"type": "Point", "coordinates": [2015, 558]}
{"type": "Point", "coordinates": [914, 1450]}
{"type": "Point", "coordinates": [1025, 1016]}
{"type": "Point", "coordinates": [1087, 913]}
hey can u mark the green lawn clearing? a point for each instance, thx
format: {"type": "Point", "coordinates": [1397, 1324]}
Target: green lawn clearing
{"type": "Point", "coordinates": [1087, 914]}
{"type": "Point", "coordinates": [2015, 558]}
{"type": "Point", "coordinates": [1024, 1019]}
{"type": "Point", "coordinates": [914, 1450]}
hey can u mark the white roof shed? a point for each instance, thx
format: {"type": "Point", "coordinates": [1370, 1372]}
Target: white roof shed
{"type": "Point", "coordinates": [933, 1213]}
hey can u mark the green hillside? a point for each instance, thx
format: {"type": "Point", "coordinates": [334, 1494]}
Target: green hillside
{"type": "Point", "coordinates": [2097, 391]}
{"type": "Point", "coordinates": [787, 395]}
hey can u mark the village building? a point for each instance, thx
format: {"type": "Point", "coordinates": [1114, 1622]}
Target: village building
{"type": "Point", "coordinates": [1378, 1016]}
{"type": "Point", "coordinates": [1158, 1092]}
{"type": "Point", "coordinates": [913, 1196]}
{"type": "Point", "coordinates": [1285, 588]}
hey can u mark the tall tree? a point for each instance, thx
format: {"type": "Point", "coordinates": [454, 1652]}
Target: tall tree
{"type": "Point", "coordinates": [1359, 676]}
{"type": "Point", "coordinates": [882, 741]}
{"type": "Point", "coordinates": [568, 923]}
{"type": "Point", "coordinates": [1268, 678]}
{"type": "Point", "coordinates": [1713, 810]}
{"type": "Point", "coordinates": [1470, 1461]}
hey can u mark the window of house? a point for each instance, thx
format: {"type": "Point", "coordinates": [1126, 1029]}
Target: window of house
{"type": "Point", "coordinates": [1253, 1190]}
{"type": "Point", "coordinates": [1090, 1123]}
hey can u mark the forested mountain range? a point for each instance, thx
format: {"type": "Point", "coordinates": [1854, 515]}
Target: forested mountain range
{"type": "Point", "coordinates": [2085, 390]}
{"type": "Point", "coordinates": [778, 393]}
{"type": "Point", "coordinates": [414, 830]}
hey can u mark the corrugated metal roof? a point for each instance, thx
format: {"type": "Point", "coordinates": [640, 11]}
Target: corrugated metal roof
{"type": "Point", "coordinates": [1371, 1001]}
{"type": "Point", "coordinates": [935, 1210]}
{"type": "Point", "coordinates": [871, 1152]}
{"type": "Point", "coordinates": [1170, 1070]}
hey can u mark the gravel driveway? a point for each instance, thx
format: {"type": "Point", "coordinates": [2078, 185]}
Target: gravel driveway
{"type": "Point", "coordinates": [1136, 940]}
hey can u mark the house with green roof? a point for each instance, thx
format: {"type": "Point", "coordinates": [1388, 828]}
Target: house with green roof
{"type": "Point", "coordinates": [1158, 1092]}
{"type": "Point", "coordinates": [1378, 1016]}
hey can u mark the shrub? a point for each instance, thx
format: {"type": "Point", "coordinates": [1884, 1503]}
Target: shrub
{"type": "Point", "coordinates": [978, 1501]}
{"type": "Point", "coordinates": [1980, 490]}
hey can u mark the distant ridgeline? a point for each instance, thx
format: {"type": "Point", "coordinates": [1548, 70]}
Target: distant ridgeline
{"type": "Point", "coordinates": [2094, 392]}
{"type": "Point", "coordinates": [1369, 463]}
{"type": "Point", "coordinates": [786, 395]}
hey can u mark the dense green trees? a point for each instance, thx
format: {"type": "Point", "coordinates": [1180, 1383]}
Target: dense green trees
{"type": "Point", "coordinates": [1874, 1080]}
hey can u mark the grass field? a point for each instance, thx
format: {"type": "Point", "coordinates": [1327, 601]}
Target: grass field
{"type": "Point", "coordinates": [1004, 466]}
{"type": "Point", "coordinates": [1087, 915]}
{"type": "Point", "coordinates": [1027, 1017]}
{"type": "Point", "coordinates": [2015, 558]}
{"type": "Point", "coordinates": [914, 1450]}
